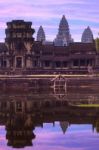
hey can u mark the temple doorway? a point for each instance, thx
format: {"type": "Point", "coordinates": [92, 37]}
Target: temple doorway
{"type": "Point", "coordinates": [18, 62]}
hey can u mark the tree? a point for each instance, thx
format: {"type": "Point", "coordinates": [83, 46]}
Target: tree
{"type": "Point", "coordinates": [97, 44]}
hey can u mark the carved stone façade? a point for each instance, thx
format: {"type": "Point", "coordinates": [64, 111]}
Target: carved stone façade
{"type": "Point", "coordinates": [21, 54]}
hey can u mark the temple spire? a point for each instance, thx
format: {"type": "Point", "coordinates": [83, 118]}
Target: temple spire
{"type": "Point", "coordinates": [41, 34]}
{"type": "Point", "coordinates": [63, 22]}
{"type": "Point", "coordinates": [87, 36]}
{"type": "Point", "coordinates": [64, 125]}
{"type": "Point", "coordinates": [63, 37]}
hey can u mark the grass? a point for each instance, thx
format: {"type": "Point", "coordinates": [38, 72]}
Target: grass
{"type": "Point", "coordinates": [88, 105]}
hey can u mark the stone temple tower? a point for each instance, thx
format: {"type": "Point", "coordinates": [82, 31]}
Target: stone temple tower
{"type": "Point", "coordinates": [87, 36]}
{"type": "Point", "coordinates": [41, 34]}
{"type": "Point", "coordinates": [63, 37]}
{"type": "Point", "coordinates": [19, 42]}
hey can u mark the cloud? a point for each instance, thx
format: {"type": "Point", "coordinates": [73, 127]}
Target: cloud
{"type": "Point", "coordinates": [53, 148]}
{"type": "Point", "coordinates": [49, 12]}
{"type": "Point", "coordinates": [2, 25]}
{"type": "Point", "coordinates": [77, 137]}
{"type": "Point", "coordinates": [53, 138]}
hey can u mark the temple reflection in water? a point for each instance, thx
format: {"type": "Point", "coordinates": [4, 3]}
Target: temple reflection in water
{"type": "Point", "coordinates": [22, 113]}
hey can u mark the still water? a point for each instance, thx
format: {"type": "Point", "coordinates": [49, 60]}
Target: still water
{"type": "Point", "coordinates": [76, 137]}
{"type": "Point", "coordinates": [48, 122]}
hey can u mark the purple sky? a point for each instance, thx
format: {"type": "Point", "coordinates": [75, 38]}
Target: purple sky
{"type": "Point", "coordinates": [79, 13]}
{"type": "Point", "coordinates": [77, 137]}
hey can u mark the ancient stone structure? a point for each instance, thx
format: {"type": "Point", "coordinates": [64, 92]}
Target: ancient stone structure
{"type": "Point", "coordinates": [21, 54]}
{"type": "Point", "coordinates": [87, 36]}
{"type": "Point", "coordinates": [41, 34]}
{"type": "Point", "coordinates": [21, 117]}
{"type": "Point", "coordinates": [63, 37]}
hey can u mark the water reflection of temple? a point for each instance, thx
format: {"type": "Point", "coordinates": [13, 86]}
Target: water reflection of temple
{"type": "Point", "coordinates": [18, 102]}
{"type": "Point", "coordinates": [64, 125]}
{"type": "Point", "coordinates": [21, 113]}
{"type": "Point", "coordinates": [19, 131]}
{"type": "Point", "coordinates": [20, 124]}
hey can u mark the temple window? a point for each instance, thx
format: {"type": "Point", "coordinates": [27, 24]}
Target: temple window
{"type": "Point", "coordinates": [47, 63]}
{"type": "Point", "coordinates": [19, 62]}
{"type": "Point", "coordinates": [76, 62]}
{"type": "Point", "coordinates": [89, 62]}
{"type": "Point", "coordinates": [82, 62]}
{"type": "Point", "coordinates": [3, 63]}
{"type": "Point", "coordinates": [35, 63]}
{"type": "Point", "coordinates": [64, 64]}
{"type": "Point", "coordinates": [58, 64]}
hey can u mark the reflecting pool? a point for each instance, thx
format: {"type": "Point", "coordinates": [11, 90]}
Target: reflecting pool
{"type": "Point", "coordinates": [49, 121]}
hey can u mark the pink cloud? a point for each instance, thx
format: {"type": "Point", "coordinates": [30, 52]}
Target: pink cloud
{"type": "Point", "coordinates": [51, 11]}
{"type": "Point", "coordinates": [55, 148]}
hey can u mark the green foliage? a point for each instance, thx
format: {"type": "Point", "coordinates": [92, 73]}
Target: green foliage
{"type": "Point", "coordinates": [89, 105]}
{"type": "Point", "coordinates": [97, 44]}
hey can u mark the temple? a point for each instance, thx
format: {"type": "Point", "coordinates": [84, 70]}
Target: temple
{"type": "Point", "coordinates": [21, 54]}
{"type": "Point", "coordinates": [87, 36]}
{"type": "Point", "coordinates": [23, 114]}
{"type": "Point", "coordinates": [41, 34]}
{"type": "Point", "coordinates": [63, 37]}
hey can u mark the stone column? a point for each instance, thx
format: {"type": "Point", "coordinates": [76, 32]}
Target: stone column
{"type": "Point", "coordinates": [40, 64]}
{"type": "Point", "coordinates": [23, 63]}
{"type": "Point", "coordinates": [28, 63]}
{"type": "Point", "coordinates": [97, 55]}
{"type": "Point", "coordinates": [70, 64]}
{"type": "Point", "coordinates": [8, 64]}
